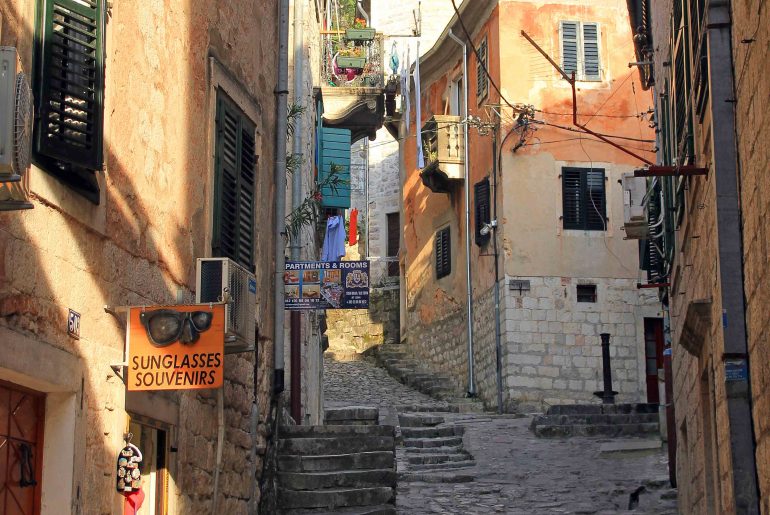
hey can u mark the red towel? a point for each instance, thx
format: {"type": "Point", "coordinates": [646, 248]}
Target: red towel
{"type": "Point", "coordinates": [353, 232]}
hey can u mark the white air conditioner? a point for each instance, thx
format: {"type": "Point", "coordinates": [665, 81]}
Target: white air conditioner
{"type": "Point", "coordinates": [222, 279]}
{"type": "Point", "coordinates": [635, 206]}
{"type": "Point", "coordinates": [15, 117]}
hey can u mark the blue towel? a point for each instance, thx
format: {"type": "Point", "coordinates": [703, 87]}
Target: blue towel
{"type": "Point", "coordinates": [334, 242]}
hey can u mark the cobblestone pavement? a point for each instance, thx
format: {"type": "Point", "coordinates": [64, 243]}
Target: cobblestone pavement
{"type": "Point", "coordinates": [516, 473]}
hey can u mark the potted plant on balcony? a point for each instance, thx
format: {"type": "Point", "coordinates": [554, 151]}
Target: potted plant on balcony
{"type": "Point", "coordinates": [351, 58]}
{"type": "Point", "coordinates": [360, 33]}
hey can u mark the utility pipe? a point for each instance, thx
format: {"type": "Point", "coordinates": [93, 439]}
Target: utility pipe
{"type": "Point", "coordinates": [498, 344]}
{"type": "Point", "coordinates": [220, 444]}
{"type": "Point", "coordinates": [471, 380]}
{"type": "Point", "coordinates": [363, 13]}
{"type": "Point", "coordinates": [279, 176]}
{"type": "Point", "coordinates": [296, 201]}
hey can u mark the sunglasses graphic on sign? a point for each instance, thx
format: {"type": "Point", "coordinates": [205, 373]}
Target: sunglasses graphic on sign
{"type": "Point", "coordinates": [166, 326]}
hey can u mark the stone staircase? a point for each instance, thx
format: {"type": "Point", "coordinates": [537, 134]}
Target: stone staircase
{"type": "Point", "coordinates": [433, 449]}
{"type": "Point", "coordinates": [394, 358]}
{"type": "Point", "coordinates": [348, 469]}
{"type": "Point", "coordinates": [612, 420]}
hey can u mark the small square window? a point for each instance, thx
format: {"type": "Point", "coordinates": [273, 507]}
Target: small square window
{"type": "Point", "coordinates": [586, 293]}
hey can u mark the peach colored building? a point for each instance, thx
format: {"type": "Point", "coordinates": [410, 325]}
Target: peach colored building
{"type": "Point", "coordinates": [565, 272]}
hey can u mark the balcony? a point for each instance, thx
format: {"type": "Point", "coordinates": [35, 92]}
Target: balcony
{"type": "Point", "coordinates": [353, 75]}
{"type": "Point", "coordinates": [444, 153]}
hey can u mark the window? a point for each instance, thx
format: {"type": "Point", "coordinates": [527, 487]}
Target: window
{"type": "Point", "coordinates": [69, 88]}
{"type": "Point", "coordinates": [394, 237]}
{"type": "Point", "coordinates": [456, 98]}
{"type": "Point", "coordinates": [235, 173]}
{"type": "Point", "coordinates": [482, 81]}
{"type": "Point", "coordinates": [583, 199]}
{"type": "Point", "coordinates": [483, 214]}
{"type": "Point", "coordinates": [586, 293]}
{"type": "Point", "coordinates": [580, 49]}
{"type": "Point", "coordinates": [443, 253]}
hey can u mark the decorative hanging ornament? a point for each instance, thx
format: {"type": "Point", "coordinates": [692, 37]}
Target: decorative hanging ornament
{"type": "Point", "coordinates": [129, 477]}
{"type": "Point", "coordinates": [394, 58]}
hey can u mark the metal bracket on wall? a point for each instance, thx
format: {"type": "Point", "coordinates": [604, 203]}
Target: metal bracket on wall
{"type": "Point", "coordinates": [120, 370]}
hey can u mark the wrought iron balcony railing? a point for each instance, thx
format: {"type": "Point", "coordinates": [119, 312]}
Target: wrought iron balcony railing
{"type": "Point", "coordinates": [353, 64]}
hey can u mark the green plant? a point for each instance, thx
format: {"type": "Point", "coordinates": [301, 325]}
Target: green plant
{"type": "Point", "coordinates": [309, 210]}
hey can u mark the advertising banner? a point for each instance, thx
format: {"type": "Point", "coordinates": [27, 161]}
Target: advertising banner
{"type": "Point", "coordinates": [175, 347]}
{"type": "Point", "coordinates": [326, 285]}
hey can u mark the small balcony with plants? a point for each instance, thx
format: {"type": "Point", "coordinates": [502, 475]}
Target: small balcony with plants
{"type": "Point", "coordinates": [443, 149]}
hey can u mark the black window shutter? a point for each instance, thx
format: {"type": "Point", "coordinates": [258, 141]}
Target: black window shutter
{"type": "Point", "coordinates": [235, 167]}
{"type": "Point", "coordinates": [584, 199]}
{"type": "Point", "coordinates": [483, 213]}
{"type": "Point", "coordinates": [70, 85]}
{"type": "Point", "coordinates": [443, 253]}
{"type": "Point", "coordinates": [481, 76]}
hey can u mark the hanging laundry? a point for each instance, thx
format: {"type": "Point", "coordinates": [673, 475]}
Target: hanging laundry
{"type": "Point", "coordinates": [334, 242]}
{"type": "Point", "coordinates": [353, 227]}
{"type": "Point", "coordinates": [418, 107]}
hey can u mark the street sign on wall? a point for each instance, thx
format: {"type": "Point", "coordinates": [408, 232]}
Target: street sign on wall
{"type": "Point", "coordinates": [326, 285]}
{"type": "Point", "coordinates": [176, 347]}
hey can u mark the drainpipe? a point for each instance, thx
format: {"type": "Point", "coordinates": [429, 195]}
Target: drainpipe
{"type": "Point", "coordinates": [498, 329]}
{"type": "Point", "coordinates": [363, 13]}
{"type": "Point", "coordinates": [296, 200]}
{"type": "Point", "coordinates": [281, 92]}
{"type": "Point", "coordinates": [471, 380]}
{"type": "Point", "coordinates": [730, 250]}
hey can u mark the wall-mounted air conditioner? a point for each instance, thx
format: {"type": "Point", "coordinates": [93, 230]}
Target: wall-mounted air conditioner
{"type": "Point", "coordinates": [15, 117]}
{"type": "Point", "coordinates": [635, 206]}
{"type": "Point", "coordinates": [222, 279]}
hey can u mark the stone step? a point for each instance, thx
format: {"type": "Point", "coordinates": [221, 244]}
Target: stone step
{"type": "Point", "coordinates": [450, 476]}
{"type": "Point", "coordinates": [352, 415]}
{"type": "Point", "coordinates": [597, 419]}
{"type": "Point", "coordinates": [321, 446]}
{"type": "Point", "coordinates": [333, 462]}
{"type": "Point", "coordinates": [338, 431]}
{"type": "Point", "coordinates": [429, 458]}
{"type": "Point", "coordinates": [333, 499]}
{"type": "Point", "coordinates": [598, 409]}
{"type": "Point", "coordinates": [444, 441]}
{"type": "Point", "coordinates": [435, 450]}
{"type": "Point", "coordinates": [451, 465]}
{"type": "Point", "coordinates": [425, 408]}
{"type": "Point", "coordinates": [381, 509]}
{"type": "Point", "coordinates": [419, 420]}
{"type": "Point", "coordinates": [340, 479]}
{"type": "Point", "coordinates": [429, 432]}
{"type": "Point", "coordinates": [615, 430]}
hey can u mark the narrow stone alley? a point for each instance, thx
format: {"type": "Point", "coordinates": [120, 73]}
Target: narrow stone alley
{"type": "Point", "coordinates": [511, 471]}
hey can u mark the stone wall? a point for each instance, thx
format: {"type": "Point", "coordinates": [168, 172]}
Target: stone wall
{"type": "Point", "coordinates": [358, 330]}
{"type": "Point", "coordinates": [751, 39]}
{"type": "Point", "coordinates": [552, 346]}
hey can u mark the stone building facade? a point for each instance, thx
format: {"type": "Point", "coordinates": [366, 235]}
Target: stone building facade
{"type": "Point", "coordinates": [716, 257]}
{"type": "Point", "coordinates": [519, 155]}
{"type": "Point", "coordinates": [127, 233]}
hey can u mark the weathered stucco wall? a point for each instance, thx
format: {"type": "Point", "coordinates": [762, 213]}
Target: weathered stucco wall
{"type": "Point", "coordinates": [138, 247]}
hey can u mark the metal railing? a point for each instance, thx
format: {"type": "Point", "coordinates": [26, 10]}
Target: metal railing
{"type": "Point", "coordinates": [370, 76]}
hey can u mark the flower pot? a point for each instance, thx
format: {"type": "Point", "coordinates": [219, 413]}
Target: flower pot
{"type": "Point", "coordinates": [365, 34]}
{"type": "Point", "coordinates": [351, 62]}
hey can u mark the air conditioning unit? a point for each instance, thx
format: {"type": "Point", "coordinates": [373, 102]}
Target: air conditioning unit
{"type": "Point", "coordinates": [634, 206]}
{"type": "Point", "coordinates": [222, 279]}
{"type": "Point", "coordinates": [15, 117]}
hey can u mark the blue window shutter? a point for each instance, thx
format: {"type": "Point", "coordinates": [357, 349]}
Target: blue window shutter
{"type": "Point", "coordinates": [335, 149]}
{"type": "Point", "coordinates": [569, 47]}
{"type": "Point", "coordinates": [591, 63]}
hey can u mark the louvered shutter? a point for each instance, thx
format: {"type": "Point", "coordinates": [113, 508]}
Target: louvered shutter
{"type": "Point", "coordinates": [571, 198]}
{"type": "Point", "coordinates": [482, 81]}
{"type": "Point", "coordinates": [235, 163]}
{"type": "Point", "coordinates": [443, 253]}
{"type": "Point", "coordinates": [569, 47]}
{"type": "Point", "coordinates": [594, 200]}
{"type": "Point", "coordinates": [335, 150]}
{"type": "Point", "coordinates": [70, 83]}
{"type": "Point", "coordinates": [591, 63]}
{"type": "Point", "coordinates": [483, 213]}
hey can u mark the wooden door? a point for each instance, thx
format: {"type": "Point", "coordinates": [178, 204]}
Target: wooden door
{"type": "Point", "coordinates": [653, 350]}
{"type": "Point", "coordinates": [21, 448]}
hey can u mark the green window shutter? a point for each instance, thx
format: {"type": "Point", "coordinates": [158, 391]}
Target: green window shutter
{"type": "Point", "coordinates": [482, 81]}
{"type": "Point", "coordinates": [70, 84]}
{"type": "Point", "coordinates": [483, 212]}
{"type": "Point", "coordinates": [443, 253]}
{"type": "Point", "coordinates": [335, 150]}
{"type": "Point", "coordinates": [235, 175]}
{"type": "Point", "coordinates": [569, 47]}
{"type": "Point", "coordinates": [591, 63]}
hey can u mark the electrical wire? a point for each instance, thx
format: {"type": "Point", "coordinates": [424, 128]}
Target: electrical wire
{"type": "Point", "coordinates": [594, 115]}
{"type": "Point", "coordinates": [572, 129]}
{"type": "Point", "coordinates": [609, 97]}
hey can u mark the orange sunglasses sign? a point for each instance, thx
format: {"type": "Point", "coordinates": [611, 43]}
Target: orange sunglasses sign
{"type": "Point", "coordinates": [176, 347]}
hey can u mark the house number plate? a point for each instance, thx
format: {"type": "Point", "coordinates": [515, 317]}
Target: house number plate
{"type": "Point", "coordinates": [73, 324]}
